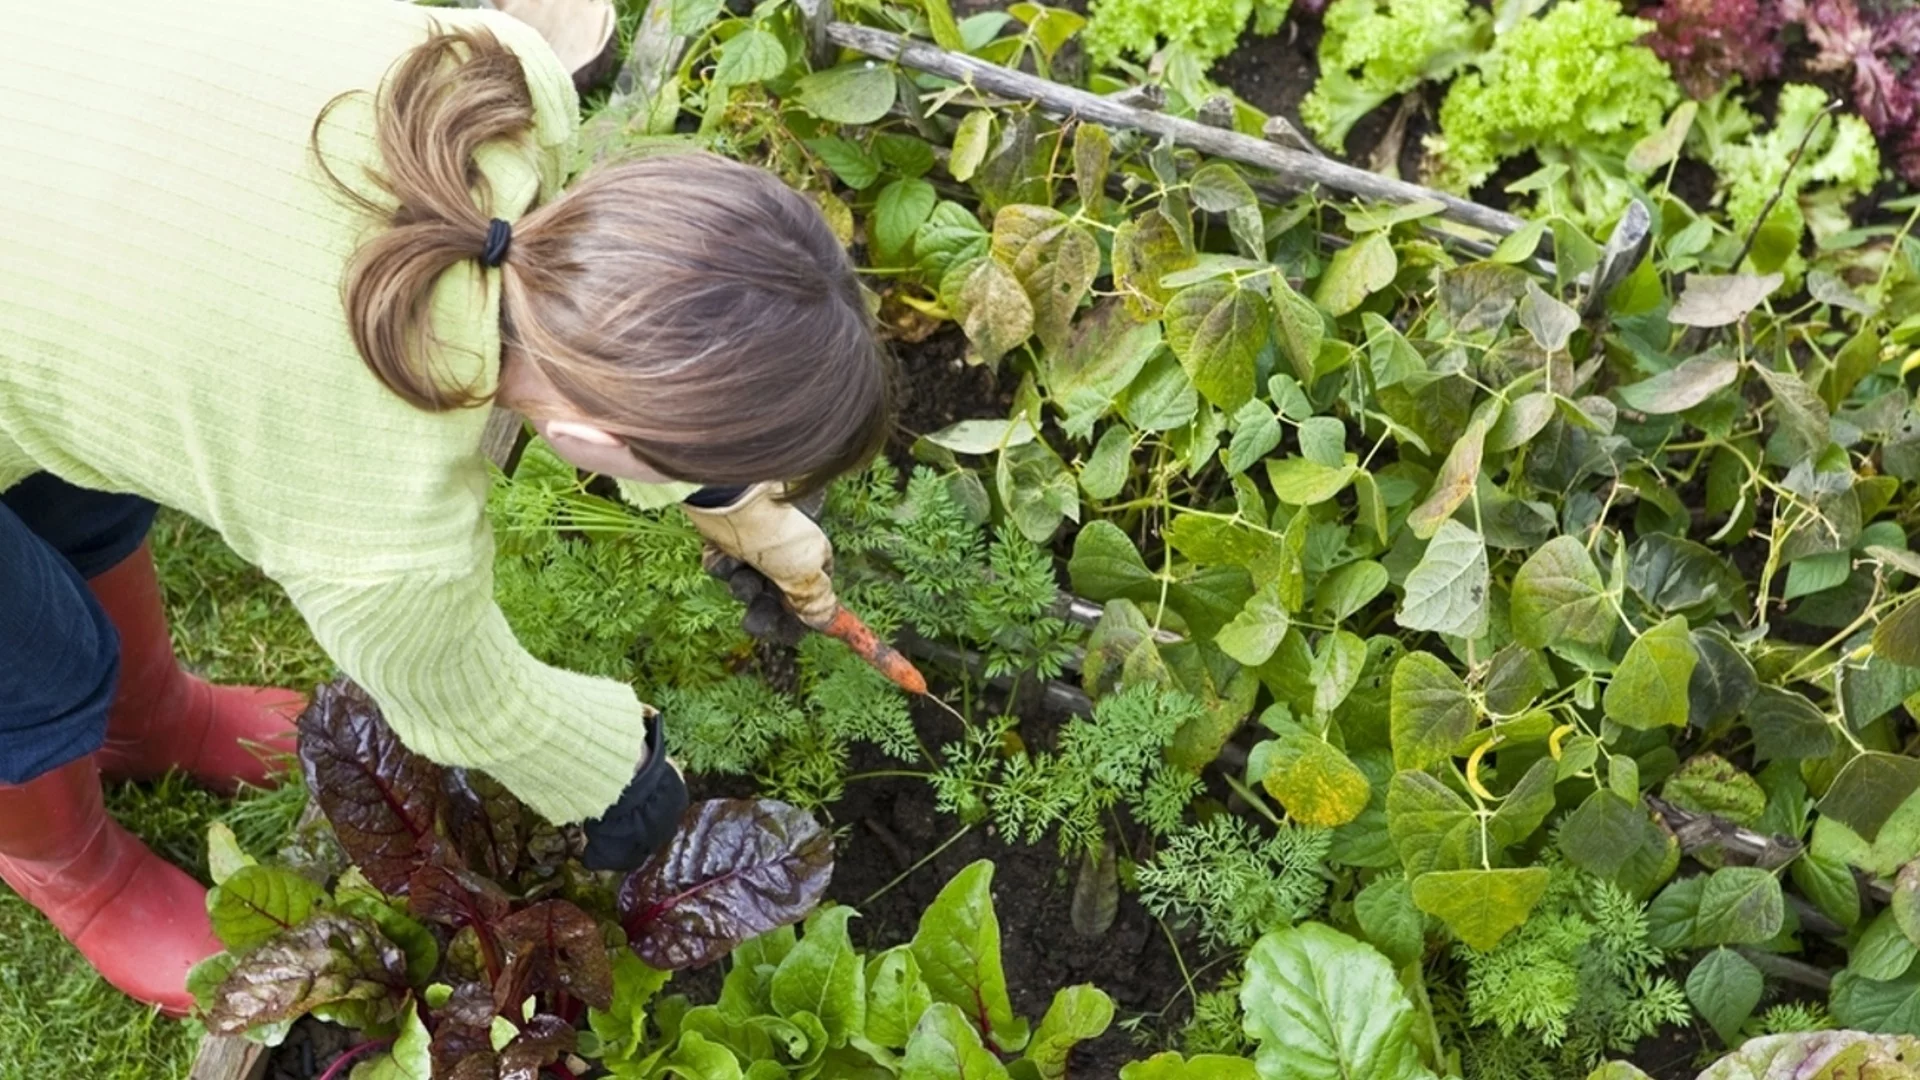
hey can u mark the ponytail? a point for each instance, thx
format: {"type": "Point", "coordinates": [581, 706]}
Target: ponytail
{"type": "Point", "coordinates": [447, 98]}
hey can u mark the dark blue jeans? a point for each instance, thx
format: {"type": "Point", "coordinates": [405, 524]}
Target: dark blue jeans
{"type": "Point", "coordinates": [59, 656]}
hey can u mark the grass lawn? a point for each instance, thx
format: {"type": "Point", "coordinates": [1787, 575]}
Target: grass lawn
{"type": "Point", "coordinates": [60, 1021]}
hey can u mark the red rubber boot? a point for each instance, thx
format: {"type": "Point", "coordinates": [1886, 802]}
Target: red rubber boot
{"type": "Point", "coordinates": [141, 922]}
{"type": "Point", "coordinates": [163, 718]}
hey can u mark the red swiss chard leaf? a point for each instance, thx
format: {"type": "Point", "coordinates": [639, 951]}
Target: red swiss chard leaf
{"type": "Point", "coordinates": [494, 832]}
{"type": "Point", "coordinates": [331, 961]}
{"type": "Point", "coordinates": [462, 1034]}
{"type": "Point", "coordinates": [542, 1041]}
{"type": "Point", "coordinates": [737, 868]}
{"type": "Point", "coordinates": [553, 947]}
{"type": "Point", "coordinates": [456, 898]}
{"type": "Point", "coordinates": [382, 799]}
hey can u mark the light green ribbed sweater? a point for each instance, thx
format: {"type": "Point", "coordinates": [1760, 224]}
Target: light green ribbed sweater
{"type": "Point", "coordinates": [171, 325]}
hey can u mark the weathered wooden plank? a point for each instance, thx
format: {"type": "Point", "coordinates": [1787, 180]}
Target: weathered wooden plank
{"type": "Point", "coordinates": [503, 438]}
{"type": "Point", "coordinates": [229, 1058]}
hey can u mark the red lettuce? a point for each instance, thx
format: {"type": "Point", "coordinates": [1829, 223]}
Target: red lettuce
{"type": "Point", "coordinates": [1707, 42]}
{"type": "Point", "coordinates": [1880, 48]}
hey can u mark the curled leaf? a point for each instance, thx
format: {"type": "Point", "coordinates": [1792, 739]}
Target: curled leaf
{"type": "Point", "coordinates": [737, 868]}
{"type": "Point", "coordinates": [553, 947]}
{"type": "Point", "coordinates": [330, 961]}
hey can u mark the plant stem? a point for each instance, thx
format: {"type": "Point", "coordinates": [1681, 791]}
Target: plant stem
{"type": "Point", "coordinates": [1753, 233]}
{"type": "Point", "coordinates": [1252, 799]}
{"type": "Point", "coordinates": [340, 1063]}
{"type": "Point", "coordinates": [923, 860]}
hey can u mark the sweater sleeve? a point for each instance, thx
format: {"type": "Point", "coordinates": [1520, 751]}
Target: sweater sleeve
{"type": "Point", "coordinates": [437, 654]}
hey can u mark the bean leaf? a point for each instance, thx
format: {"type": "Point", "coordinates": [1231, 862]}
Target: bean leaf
{"type": "Point", "coordinates": [1681, 388]}
{"type": "Point", "coordinates": [1649, 689]}
{"type": "Point", "coordinates": [1710, 300]}
{"type": "Point", "coordinates": [859, 92]}
{"type": "Point", "coordinates": [1447, 590]}
{"type": "Point", "coordinates": [1897, 637]}
{"type": "Point", "coordinates": [736, 868]}
{"type": "Point", "coordinates": [1317, 784]}
{"type": "Point", "coordinates": [1481, 907]}
{"type": "Point", "coordinates": [1430, 711]}
{"type": "Point", "coordinates": [991, 306]}
{"type": "Point", "coordinates": [1357, 272]}
{"type": "Point", "coordinates": [1868, 789]}
{"type": "Point", "coordinates": [1724, 988]}
{"type": "Point", "coordinates": [1217, 329]}
{"type": "Point", "coordinates": [1558, 598]}
{"type": "Point", "coordinates": [1053, 257]}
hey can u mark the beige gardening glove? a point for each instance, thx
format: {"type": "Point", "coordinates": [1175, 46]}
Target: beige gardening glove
{"type": "Point", "coordinates": [781, 542]}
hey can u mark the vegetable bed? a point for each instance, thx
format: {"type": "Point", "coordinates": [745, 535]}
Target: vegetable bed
{"type": "Point", "coordinates": [1505, 609]}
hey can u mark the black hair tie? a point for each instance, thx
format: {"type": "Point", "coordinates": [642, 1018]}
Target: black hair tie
{"type": "Point", "coordinates": [499, 239]}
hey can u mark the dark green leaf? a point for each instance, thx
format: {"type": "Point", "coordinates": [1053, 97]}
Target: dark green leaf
{"type": "Point", "coordinates": [1830, 885]}
{"type": "Point", "coordinates": [1217, 329]}
{"type": "Point", "coordinates": [1869, 789]}
{"type": "Point", "coordinates": [1897, 637]}
{"type": "Point", "coordinates": [1724, 988]}
{"type": "Point", "coordinates": [903, 206]}
{"type": "Point", "coordinates": [854, 93]}
{"type": "Point", "coordinates": [1787, 726]}
{"type": "Point", "coordinates": [1739, 905]}
{"type": "Point", "coordinates": [1884, 952]}
{"type": "Point", "coordinates": [1433, 828]}
{"type": "Point", "coordinates": [1649, 689]}
{"type": "Point", "coordinates": [1431, 711]}
{"type": "Point", "coordinates": [1558, 598]}
{"type": "Point", "coordinates": [1723, 682]}
{"type": "Point", "coordinates": [1390, 921]}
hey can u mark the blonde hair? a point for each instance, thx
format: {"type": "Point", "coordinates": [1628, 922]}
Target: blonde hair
{"type": "Point", "coordinates": [696, 307]}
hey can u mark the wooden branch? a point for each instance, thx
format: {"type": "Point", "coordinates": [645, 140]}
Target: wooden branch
{"type": "Point", "coordinates": [1697, 832]}
{"type": "Point", "coordinates": [503, 439]}
{"type": "Point", "coordinates": [654, 55]}
{"type": "Point", "coordinates": [816, 16]}
{"type": "Point", "coordinates": [1788, 969]}
{"type": "Point", "coordinates": [1293, 168]}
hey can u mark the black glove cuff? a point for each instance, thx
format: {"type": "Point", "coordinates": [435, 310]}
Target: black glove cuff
{"type": "Point", "coordinates": [716, 498]}
{"type": "Point", "coordinates": [645, 816]}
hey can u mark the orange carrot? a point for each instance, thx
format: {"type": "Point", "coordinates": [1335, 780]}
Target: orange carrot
{"type": "Point", "coordinates": [885, 659]}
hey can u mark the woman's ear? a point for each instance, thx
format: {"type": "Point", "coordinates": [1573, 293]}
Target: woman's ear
{"type": "Point", "coordinates": [584, 432]}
